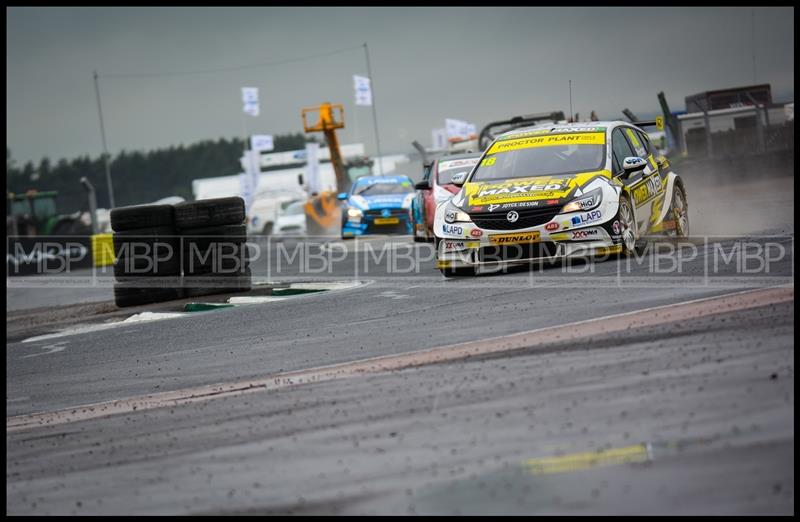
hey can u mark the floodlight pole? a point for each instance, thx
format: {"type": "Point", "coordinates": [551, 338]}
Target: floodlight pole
{"type": "Point", "coordinates": [105, 148]}
{"type": "Point", "coordinates": [374, 116]}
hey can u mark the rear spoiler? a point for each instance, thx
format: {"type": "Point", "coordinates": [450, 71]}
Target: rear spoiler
{"type": "Point", "coordinates": [657, 123]}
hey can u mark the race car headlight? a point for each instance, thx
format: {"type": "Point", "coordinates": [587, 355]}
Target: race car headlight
{"type": "Point", "coordinates": [354, 212]}
{"type": "Point", "coordinates": [587, 201]}
{"type": "Point", "coordinates": [453, 214]}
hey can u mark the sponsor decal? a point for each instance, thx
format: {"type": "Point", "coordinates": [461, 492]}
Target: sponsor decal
{"type": "Point", "coordinates": [508, 239]}
{"type": "Point", "coordinates": [547, 189]}
{"type": "Point", "coordinates": [450, 246]}
{"type": "Point", "coordinates": [588, 217]}
{"type": "Point", "coordinates": [584, 138]}
{"type": "Point", "coordinates": [452, 229]}
{"type": "Point", "coordinates": [647, 190]}
{"type": "Point", "coordinates": [616, 227]}
{"type": "Point", "coordinates": [591, 233]}
{"type": "Point", "coordinates": [476, 232]}
{"type": "Point", "coordinates": [587, 203]}
{"type": "Point", "coordinates": [454, 164]}
{"type": "Point", "coordinates": [604, 251]}
{"type": "Point", "coordinates": [551, 226]}
{"type": "Point", "coordinates": [565, 224]}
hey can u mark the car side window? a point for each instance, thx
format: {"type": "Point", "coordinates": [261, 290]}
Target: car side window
{"type": "Point", "coordinates": [634, 138]}
{"type": "Point", "coordinates": [645, 139]}
{"type": "Point", "coordinates": [427, 172]}
{"type": "Point", "coordinates": [621, 149]}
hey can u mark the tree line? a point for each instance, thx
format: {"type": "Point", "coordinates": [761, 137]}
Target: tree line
{"type": "Point", "coordinates": [138, 177]}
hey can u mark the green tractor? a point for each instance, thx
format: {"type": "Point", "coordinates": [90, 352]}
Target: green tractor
{"type": "Point", "coordinates": [34, 214]}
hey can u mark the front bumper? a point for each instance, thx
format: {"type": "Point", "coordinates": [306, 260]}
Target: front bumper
{"type": "Point", "coordinates": [368, 224]}
{"type": "Point", "coordinates": [467, 245]}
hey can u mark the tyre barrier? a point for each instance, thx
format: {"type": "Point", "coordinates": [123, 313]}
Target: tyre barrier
{"type": "Point", "coordinates": [147, 256]}
{"type": "Point", "coordinates": [155, 244]}
{"type": "Point", "coordinates": [214, 246]}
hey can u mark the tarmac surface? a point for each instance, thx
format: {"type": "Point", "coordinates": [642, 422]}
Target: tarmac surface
{"type": "Point", "coordinates": [689, 416]}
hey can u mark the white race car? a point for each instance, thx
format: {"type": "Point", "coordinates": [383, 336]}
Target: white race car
{"type": "Point", "coordinates": [559, 190]}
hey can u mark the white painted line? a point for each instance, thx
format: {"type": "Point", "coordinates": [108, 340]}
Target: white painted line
{"type": "Point", "coordinates": [143, 317]}
{"type": "Point", "coordinates": [246, 300]}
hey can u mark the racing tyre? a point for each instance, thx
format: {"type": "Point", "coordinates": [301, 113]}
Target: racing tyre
{"type": "Point", "coordinates": [679, 213]}
{"type": "Point", "coordinates": [209, 212]}
{"type": "Point", "coordinates": [142, 216]}
{"type": "Point", "coordinates": [142, 267]}
{"type": "Point", "coordinates": [149, 236]}
{"type": "Point", "coordinates": [214, 283]}
{"type": "Point", "coordinates": [125, 296]}
{"type": "Point", "coordinates": [629, 230]}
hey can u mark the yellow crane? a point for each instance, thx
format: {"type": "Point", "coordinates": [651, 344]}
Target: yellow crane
{"type": "Point", "coordinates": [322, 210]}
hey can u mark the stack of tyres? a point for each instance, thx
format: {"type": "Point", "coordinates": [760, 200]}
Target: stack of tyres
{"type": "Point", "coordinates": [214, 250]}
{"type": "Point", "coordinates": [147, 251]}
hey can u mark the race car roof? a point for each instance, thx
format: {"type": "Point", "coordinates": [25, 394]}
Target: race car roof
{"type": "Point", "coordinates": [364, 180]}
{"type": "Point", "coordinates": [561, 128]}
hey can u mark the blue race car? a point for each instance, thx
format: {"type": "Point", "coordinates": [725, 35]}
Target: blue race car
{"type": "Point", "coordinates": [377, 204]}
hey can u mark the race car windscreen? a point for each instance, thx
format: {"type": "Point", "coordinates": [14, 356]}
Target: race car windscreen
{"type": "Point", "coordinates": [542, 156]}
{"type": "Point", "coordinates": [448, 169]}
{"type": "Point", "coordinates": [373, 189]}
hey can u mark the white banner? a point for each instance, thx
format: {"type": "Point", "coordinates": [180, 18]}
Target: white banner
{"type": "Point", "coordinates": [248, 180]}
{"type": "Point", "coordinates": [312, 168]}
{"type": "Point", "coordinates": [261, 142]}
{"type": "Point", "coordinates": [458, 130]}
{"type": "Point", "coordinates": [250, 100]}
{"type": "Point", "coordinates": [439, 139]}
{"type": "Point", "coordinates": [363, 90]}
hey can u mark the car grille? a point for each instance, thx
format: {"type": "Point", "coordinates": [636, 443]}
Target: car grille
{"type": "Point", "coordinates": [527, 218]}
{"type": "Point", "coordinates": [544, 249]}
{"type": "Point", "coordinates": [394, 212]}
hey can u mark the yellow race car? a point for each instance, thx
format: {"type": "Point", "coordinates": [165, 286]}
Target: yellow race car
{"type": "Point", "coordinates": [559, 190]}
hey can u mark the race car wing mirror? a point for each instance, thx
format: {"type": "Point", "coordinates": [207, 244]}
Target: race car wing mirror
{"type": "Point", "coordinates": [421, 185]}
{"type": "Point", "coordinates": [633, 164]}
{"type": "Point", "coordinates": [341, 196]}
{"type": "Point", "coordinates": [459, 179]}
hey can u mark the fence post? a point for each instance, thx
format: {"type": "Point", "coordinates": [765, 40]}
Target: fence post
{"type": "Point", "coordinates": [709, 146]}
{"type": "Point", "coordinates": [759, 130]}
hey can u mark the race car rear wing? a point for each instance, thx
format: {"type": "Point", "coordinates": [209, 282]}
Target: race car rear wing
{"type": "Point", "coordinates": [657, 123]}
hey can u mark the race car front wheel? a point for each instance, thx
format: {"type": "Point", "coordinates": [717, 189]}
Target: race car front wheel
{"type": "Point", "coordinates": [628, 223]}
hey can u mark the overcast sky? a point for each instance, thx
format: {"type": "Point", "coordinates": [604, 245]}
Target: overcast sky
{"type": "Point", "coordinates": [475, 64]}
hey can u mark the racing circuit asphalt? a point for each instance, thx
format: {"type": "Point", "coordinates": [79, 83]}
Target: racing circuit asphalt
{"type": "Point", "coordinates": [709, 398]}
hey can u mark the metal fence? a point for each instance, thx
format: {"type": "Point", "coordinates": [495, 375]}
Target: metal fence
{"type": "Point", "coordinates": [736, 132]}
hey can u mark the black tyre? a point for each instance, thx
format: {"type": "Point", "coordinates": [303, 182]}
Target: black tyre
{"type": "Point", "coordinates": [216, 283]}
{"type": "Point", "coordinates": [142, 216]}
{"type": "Point", "coordinates": [143, 267]}
{"type": "Point", "coordinates": [202, 238]}
{"type": "Point", "coordinates": [209, 212]}
{"type": "Point", "coordinates": [125, 296]}
{"type": "Point", "coordinates": [679, 213]}
{"type": "Point", "coordinates": [192, 264]}
{"type": "Point", "coordinates": [148, 236]}
{"type": "Point", "coordinates": [630, 233]}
